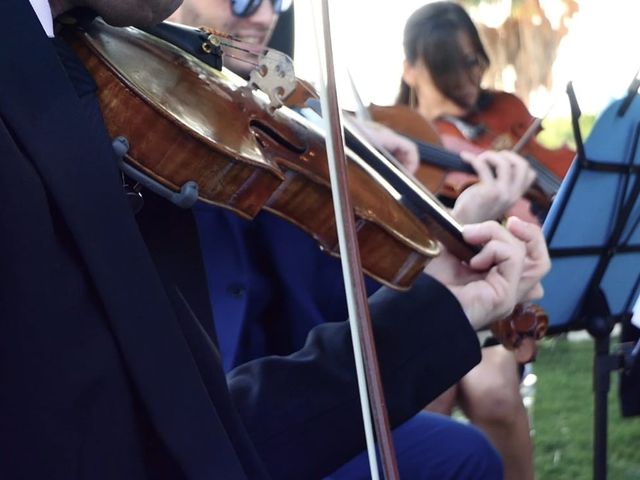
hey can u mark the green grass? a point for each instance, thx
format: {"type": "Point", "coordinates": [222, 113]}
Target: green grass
{"type": "Point", "coordinates": [559, 131]}
{"type": "Point", "coordinates": [563, 417]}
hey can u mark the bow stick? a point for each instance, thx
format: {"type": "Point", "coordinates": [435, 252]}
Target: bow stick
{"type": "Point", "coordinates": [358, 308]}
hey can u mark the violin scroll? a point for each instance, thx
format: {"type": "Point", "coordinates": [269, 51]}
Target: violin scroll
{"type": "Point", "coordinates": [520, 331]}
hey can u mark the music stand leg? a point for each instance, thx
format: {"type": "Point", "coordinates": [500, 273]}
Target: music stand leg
{"type": "Point", "coordinates": [603, 364]}
{"type": "Point", "coordinates": [601, 385]}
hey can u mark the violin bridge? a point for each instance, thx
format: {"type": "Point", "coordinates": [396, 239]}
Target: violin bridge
{"type": "Point", "coordinates": [275, 76]}
{"type": "Point", "coordinates": [272, 71]}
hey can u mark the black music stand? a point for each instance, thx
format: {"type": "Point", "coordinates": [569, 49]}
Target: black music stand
{"type": "Point", "coordinates": [593, 235]}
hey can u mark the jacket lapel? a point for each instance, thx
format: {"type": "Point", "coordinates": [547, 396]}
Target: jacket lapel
{"type": "Point", "coordinates": [77, 165]}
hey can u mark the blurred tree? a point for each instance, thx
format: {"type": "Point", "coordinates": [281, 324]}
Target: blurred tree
{"type": "Point", "coordinates": [523, 47]}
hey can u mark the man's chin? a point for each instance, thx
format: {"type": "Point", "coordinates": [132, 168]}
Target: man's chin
{"type": "Point", "coordinates": [240, 68]}
{"type": "Point", "coordinates": [142, 17]}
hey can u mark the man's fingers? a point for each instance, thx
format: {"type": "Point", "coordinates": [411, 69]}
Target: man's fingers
{"type": "Point", "coordinates": [536, 293]}
{"type": "Point", "coordinates": [479, 233]}
{"type": "Point", "coordinates": [525, 231]}
{"type": "Point", "coordinates": [533, 238]}
{"type": "Point", "coordinates": [496, 253]}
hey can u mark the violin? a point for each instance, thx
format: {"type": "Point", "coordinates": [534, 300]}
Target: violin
{"type": "Point", "coordinates": [186, 121]}
{"type": "Point", "coordinates": [499, 122]}
{"type": "Point", "coordinates": [528, 323]}
{"type": "Point", "coordinates": [443, 171]}
{"type": "Point", "coordinates": [176, 113]}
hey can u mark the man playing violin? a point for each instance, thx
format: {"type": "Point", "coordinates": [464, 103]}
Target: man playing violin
{"type": "Point", "coordinates": [110, 367]}
{"type": "Point", "coordinates": [444, 65]}
{"type": "Point", "coordinates": [279, 284]}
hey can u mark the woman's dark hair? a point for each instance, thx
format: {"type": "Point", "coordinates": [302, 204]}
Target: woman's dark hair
{"type": "Point", "coordinates": [431, 36]}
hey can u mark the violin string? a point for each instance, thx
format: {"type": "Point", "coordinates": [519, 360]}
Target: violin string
{"type": "Point", "coordinates": [546, 178]}
{"type": "Point", "coordinates": [242, 59]}
{"type": "Point", "coordinates": [247, 49]}
{"type": "Point", "coordinates": [421, 202]}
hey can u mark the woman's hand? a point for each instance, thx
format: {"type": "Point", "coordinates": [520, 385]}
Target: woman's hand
{"type": "Point", "coordinates": [403, 149]}
{"type": "Point", "coordinates": [504, 178]}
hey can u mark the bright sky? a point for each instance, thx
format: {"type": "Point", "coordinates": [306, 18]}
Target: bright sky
{"type": "Point", "coordinates": [600, 54]}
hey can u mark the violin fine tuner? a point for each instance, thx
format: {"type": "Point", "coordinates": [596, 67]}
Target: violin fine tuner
{"type": "Point", "coordinates": [272, 71]}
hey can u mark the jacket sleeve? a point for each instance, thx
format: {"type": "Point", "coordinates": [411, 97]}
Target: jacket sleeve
{"type": "Point", "coordinates": [294, 406]}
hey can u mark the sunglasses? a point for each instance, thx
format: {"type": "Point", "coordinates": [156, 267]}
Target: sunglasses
{"type": "Point", "coordinates": [246, 8]}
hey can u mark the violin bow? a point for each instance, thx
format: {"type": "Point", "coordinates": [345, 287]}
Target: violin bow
{"type": "Point", "coordinates": [362, 112]}
{"type": "Point", "coordinates": [527, 135]}
{"type": "Point", "coordinates": [533, 129]}
{"type": "Point", "coordinates": [368, 372]}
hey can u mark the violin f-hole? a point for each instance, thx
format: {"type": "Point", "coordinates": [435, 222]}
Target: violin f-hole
{"type": "Point", "coordinates": [261, 130]}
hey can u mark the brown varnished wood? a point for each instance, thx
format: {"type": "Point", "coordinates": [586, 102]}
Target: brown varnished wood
{"type": "Point", "coordinates": [505, 120]}
{"type": "Point", "coordinates": [187, 121]}
{"type": "Point", "coordinates": [520, 331]}
{"type": "Point", "coordinates": [178, 127]}
{"type": "Point", "coordinates": [394, 245]}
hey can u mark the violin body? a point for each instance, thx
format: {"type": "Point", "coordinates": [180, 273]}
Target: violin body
{"type": "Point", "coordinates": [186, 121]}
{"type": "Point", "coordinates": [498, 124]}
{"type": "Point", "coordinates": [152, 96]}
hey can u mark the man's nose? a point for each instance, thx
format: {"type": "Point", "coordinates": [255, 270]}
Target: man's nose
{"type": "Point", "coordinates": [264, 15]}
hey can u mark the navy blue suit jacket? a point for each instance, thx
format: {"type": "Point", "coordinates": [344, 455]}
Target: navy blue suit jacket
{"type": "Point", "coordinates": [269, 282]}
{"type": "Point", "coordinates": [108, 362]}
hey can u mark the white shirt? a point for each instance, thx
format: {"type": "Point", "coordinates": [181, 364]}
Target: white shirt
{"type": "Point", "coordinates": [43, 11]}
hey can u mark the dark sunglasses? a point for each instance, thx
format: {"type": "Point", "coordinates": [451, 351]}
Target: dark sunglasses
{"type": "Point", "coordinates": [246, 8]}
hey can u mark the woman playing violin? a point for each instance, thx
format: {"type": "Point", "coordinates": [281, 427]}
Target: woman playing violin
{"type": "Point", "coordinates": [444, 65]}
{"type": "Point", "coordinates": [443, 69]}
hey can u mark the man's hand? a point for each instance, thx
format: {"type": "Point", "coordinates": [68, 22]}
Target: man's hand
{"type": "Point", "coordinates": [504, 178]}
{"type": "Point", "coordinates": [488, 288]}
{"type": "Point", "coordinates": [536, 263]}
